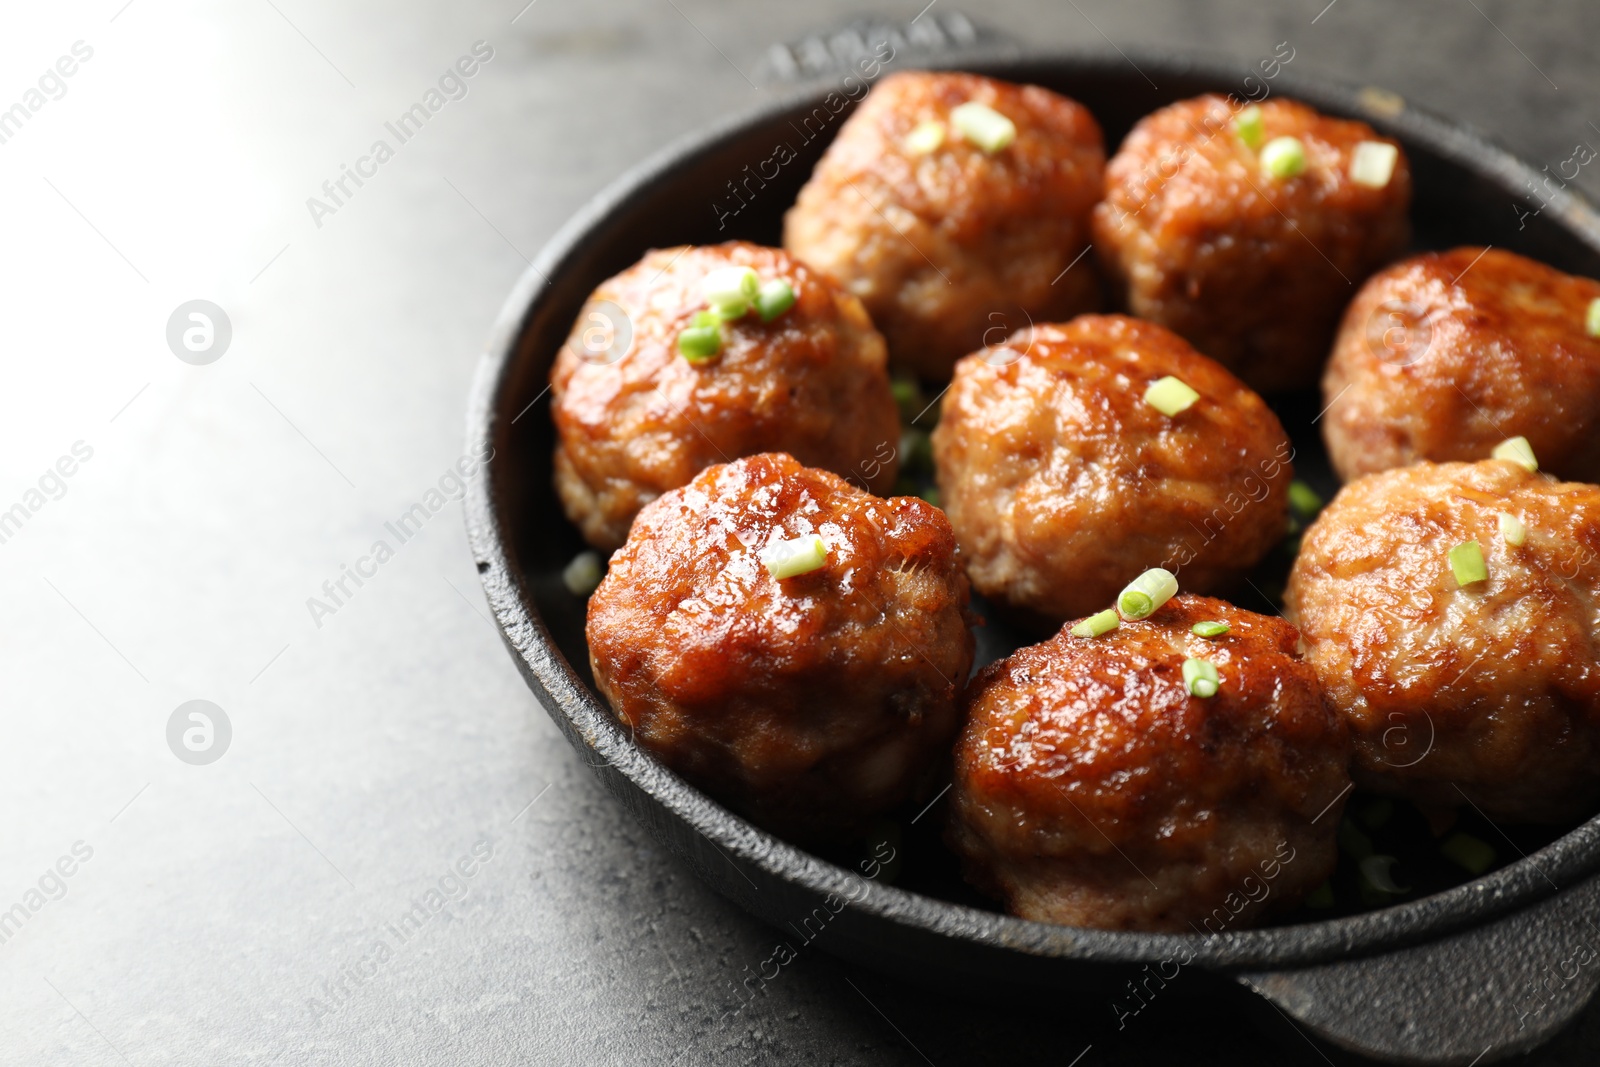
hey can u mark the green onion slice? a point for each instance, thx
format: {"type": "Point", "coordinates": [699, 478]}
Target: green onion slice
{"type": "Point", "coordinates": [925, 137]}
{"type": "Point", "coordinates": [1592, 318]}
{"type": "Point", "coordinates": [700, 343]}
{"type": "Point", "coordinates": [1373, 163]}
{"type": "Point", "coordinates": [1249, 126]}
{"type": "Point", "coordinates": [730, 290]}
{"type": "Point", "coordinates": [1146, 593]}
{"type": "Point", "coordinates": [1201, 678]}
{"type": "Point", "coordinates": [582, 575]}
{"type": "Point", "coordinates": [1377, 870]}
{"type": "Point", "coordinates": [1512, 529]}
{"type": "Point", "coordinates": [798, 555]}
{"type": "Point", "coordinates": [774, 298]}
{"type": "Point", "coordinates": [1209, 629]}
{"type": "Point", "coordinates": [1099, 623]}
{"type": "Point", "coordinates": [983, 126]}
{"type": "Point", "coordinates": [1170, 395]}
{"type": "Point", "coordinates": [1466, 562]}
{"type": "Point", "coordinates": [1304, 499]}
{"type": "Point", "coordinates": [1284, 157]}
{"type": "Point", "coordinates": [1474, 855]}
{"type": "Point", "coordinates": [1517, 450]}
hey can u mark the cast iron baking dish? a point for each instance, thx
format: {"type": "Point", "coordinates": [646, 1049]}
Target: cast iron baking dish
{"type": "Point", "coordinates": [1486, 969]}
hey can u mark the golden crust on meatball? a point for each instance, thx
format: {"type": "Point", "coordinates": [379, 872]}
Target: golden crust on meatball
{"type": "Point", "coordinates": [1092, 789]}
{"type": "Point", "coordinates": [1486, 693]}
{"type": "Point", "coordinates": [1063, 484]}
{"type": "Point", "coordinates": [635, 421]}
{"type": "Point", "coordinates": [948, 242]}
{"type": "Point", "coordinates": [811, 703]}
{"type": "Point", "coordinates": [1445, 355]}
{"type": "Point", "coordinates": [1252, 270]}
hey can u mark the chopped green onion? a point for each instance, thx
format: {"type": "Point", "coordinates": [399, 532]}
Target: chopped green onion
{"type": "Point", "coordinates": [1100, 622]}
{"type": "Point", "coordinates": [1377, 871]}
{"type": "Point", "coordinates": [1248, 125]}
{"type": "Point", "coordinates": [1209, 629]}
{"type": "Point", "coordinates": [1304, 499]}
{"type": "Point", "coordinates": [1146, 593]}
{"type": "Point", "coordinates": [1373, 163]}
{"type": "Point", "coordinates": [983, 126]}
{"type": "Point", "coordinates": [1321, 897]}
{"type": "Point", "coordinates": [774, 298]}
{"type": "Point", "coordinates": [1517, 450]}
{"type": "Point", "coordinates": [916, 447]}
{"type": "Point", "coordinates": [1466, 561]}
{"type": "Point", "coordinates": [730, 290]}
{"type": "Point", "coordinates": [583, 574]}
{"type": "Point", "coordinates": [798, 555]}
{"type": "Point", "coordinates": [1468, 852]}
{"type": "Point", "coordinates": [1284, 157]}
{"type": "Point", "coordinates": [1592, 319]}
{"type": "Point", "coordinates": [702, 341]}
{"type": "Point", "coordinates": [1201, 678]}
{"type": "Point", "coordinates": [907, 397]}
{"type": "Point", "coordinates": [925, 137]}
{"type": "Point", "coordinates": [1512, 529]}
{"type": "Point", "coordinates": [1170, 395]}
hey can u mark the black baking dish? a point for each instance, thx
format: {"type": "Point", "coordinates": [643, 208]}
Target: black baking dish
{"type": "Point", "coordinates": [1472, 974]}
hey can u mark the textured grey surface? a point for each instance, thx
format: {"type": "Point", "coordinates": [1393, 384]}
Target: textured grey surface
{"type": "Point", "coordinates": [232, 912]}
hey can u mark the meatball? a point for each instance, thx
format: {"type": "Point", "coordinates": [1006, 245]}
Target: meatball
{"type": "Point", "coordinates": [1445, 355]}
{"type": "Point", "coordinates": [1252, 269]}
{"type": "Point", "coordinates": [810, 703]}
{"type": "Point", "coordinates": [1091, 788]}
{"type": "Point", "coordinates": [943, 240]}
{"type": "Point", "coordinates": [636, 418]}
{"type": "Point", "coordinates": [1488, 692]}
{"type": "Point", "coordinates": [1063, 483]}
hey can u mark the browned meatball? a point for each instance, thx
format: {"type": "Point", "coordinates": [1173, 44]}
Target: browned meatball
{"type": "Point", "coordinates": [1063, 484]}
{"type": "Point", "coordinates": [1252, 269]}
{"type": "Point", "coordinates": [948, 242]}
{"type": "Point", "coordinates": [1092, 789]}
{"type": "Point", "coordinates": [1447, 354]}
{"type": "Point", "coordinates": [809, 703]}
{"type": "Point", "coordinates": [1488, 692]}
{"type": "Point", "coordinates": [636, 419]}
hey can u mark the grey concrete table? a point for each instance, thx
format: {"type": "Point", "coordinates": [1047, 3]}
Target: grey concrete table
{"type": "Point", "coordinates": [395, 859]}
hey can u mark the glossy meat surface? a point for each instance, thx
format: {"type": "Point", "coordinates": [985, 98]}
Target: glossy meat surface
{"type": "Point", "coordinates": [1252, 270]}
{"type": "Point", "coordinates": [809, 704]}
{"type": "Point", "coordinates": [954, 248]}
{"type": "Point", "coordinates": [1445, 355]}
{"type": "Point", "coordinates": [1093, 790]}
{"type": "Point", "coordinates": [1063, 485]}
{"type": "Point", "coordinates": [1489, 692]}
{"type": "Point", "coordinates": [636, 423]}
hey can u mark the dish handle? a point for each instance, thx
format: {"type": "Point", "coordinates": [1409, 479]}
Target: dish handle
{"type": "Point", "coordinates": [1473, 997]}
